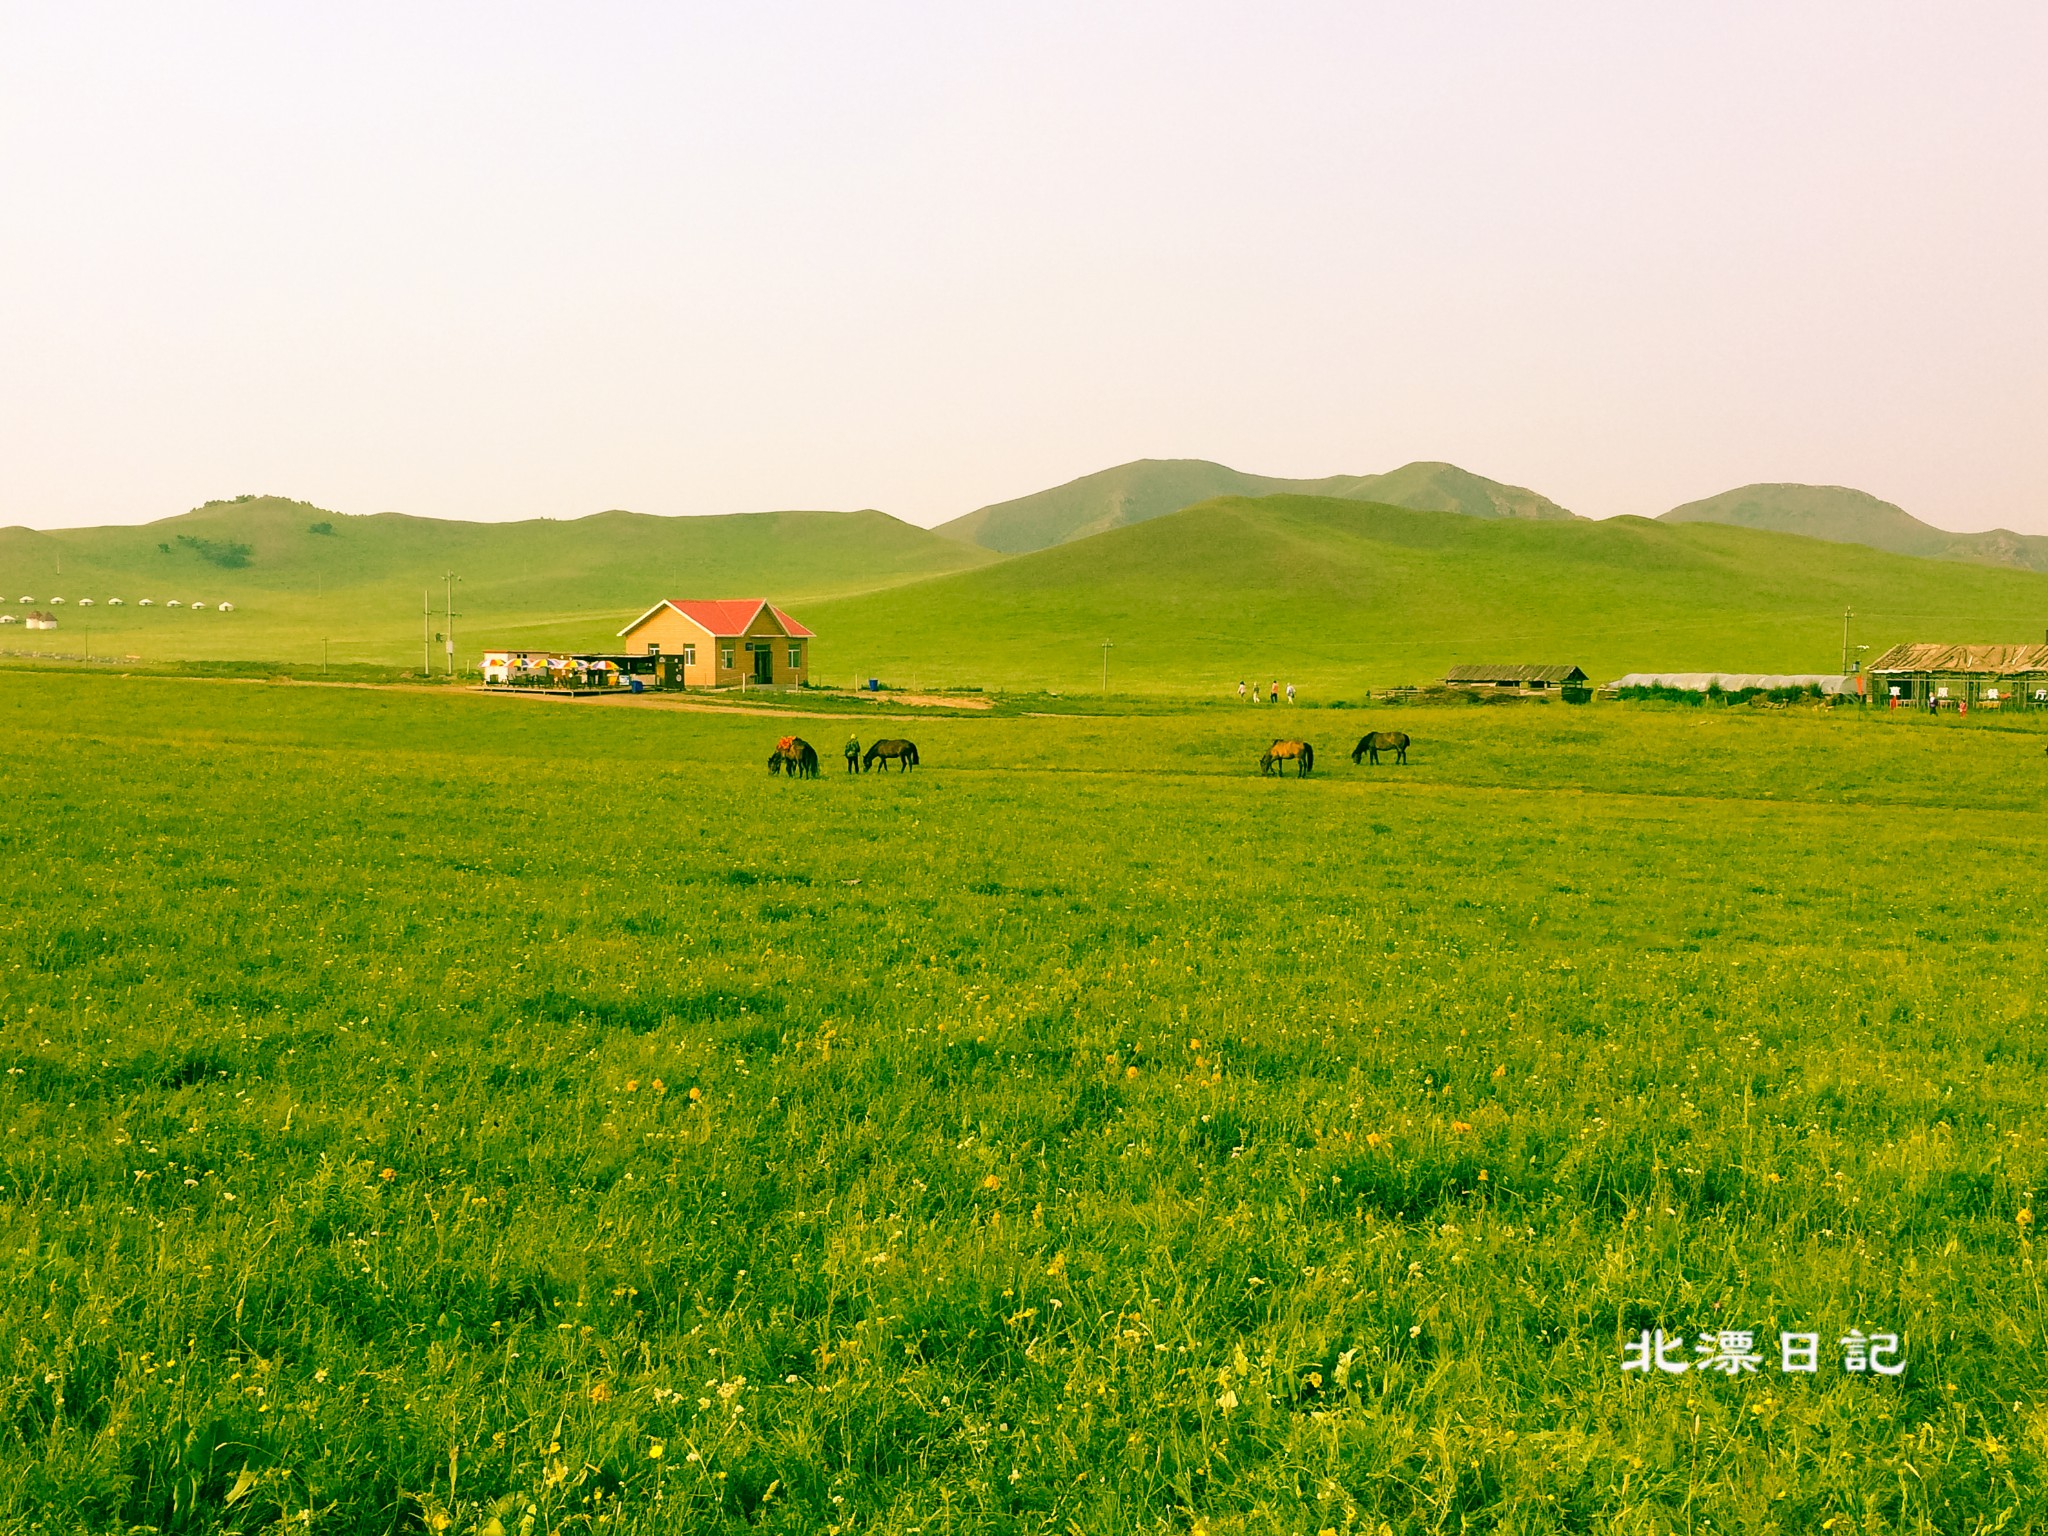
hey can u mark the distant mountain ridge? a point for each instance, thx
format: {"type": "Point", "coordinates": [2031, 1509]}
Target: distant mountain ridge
{"type": "Point", "coordinates": [1147, 488]}
{"type": "Point", "coordinates": [1842, 515]}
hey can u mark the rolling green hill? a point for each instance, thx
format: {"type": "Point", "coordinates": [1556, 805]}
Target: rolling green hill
{"type": "Point", "coordinates": [1149, 488]}
{"type": "Point", "coordinates": [1845, 516]}
{"type": "Point", "coordinates": [1337, 595]}
{"type": "Point", "coordinates": [357, 582]}
{"type": "Point", "coordinates": [1332, 593]}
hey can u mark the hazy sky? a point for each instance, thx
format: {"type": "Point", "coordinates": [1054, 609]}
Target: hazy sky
{"type": "Point", "coordinates": [504, 260]}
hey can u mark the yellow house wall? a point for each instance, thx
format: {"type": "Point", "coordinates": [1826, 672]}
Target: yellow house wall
{"type": "Point", "coordinates": [765, 629]}
{"type": "Point", "coordinates": [670, 632]}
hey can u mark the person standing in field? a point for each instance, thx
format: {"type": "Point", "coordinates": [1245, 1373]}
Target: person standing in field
{"type": "Point", "coordinates": [1240, 690]}
{"type": "Point", "coordinates": [1274, 698]}
{"type": "Point", "coordinates": [853, 754]}
{"type": "Point", "coordinates": [1290, 693]}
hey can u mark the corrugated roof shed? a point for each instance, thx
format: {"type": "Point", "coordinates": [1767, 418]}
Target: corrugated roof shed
{"type": "Point", "coordinates": [1515, 674]}
{"type": "Point", "coordinates": [1988, 660]}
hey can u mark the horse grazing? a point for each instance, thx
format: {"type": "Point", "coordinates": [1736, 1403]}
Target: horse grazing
{"type": "Point", "coordinates": [795, 757]}
{"type": "Point", "coordinates": [1373, 743]}
{"type": "Point", "coordinates": [1277, 754]}
{"type": "Point", "coordinates": [904, 752]}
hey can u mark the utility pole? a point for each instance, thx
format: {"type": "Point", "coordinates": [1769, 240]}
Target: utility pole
{"type": "Point", "coordinates": [1107, 647]}
{"type": "Point", "coordinates": [1845, 642]}
{"type": "Point", "coordinates": [450, 579]}
{"type": "Point", "coordinates": [426, 639]}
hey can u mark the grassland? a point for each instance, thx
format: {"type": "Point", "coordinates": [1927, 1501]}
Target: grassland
{"type": "Point", "coordinates": [1338, 596]}
{"type": "Point", "coordinates": [452, 1114]}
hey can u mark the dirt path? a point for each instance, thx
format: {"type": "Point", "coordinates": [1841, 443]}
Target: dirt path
{"type": "Point", "coordinates": [608, 698]}
{"type": "Point", "coordinates": [686, 706]}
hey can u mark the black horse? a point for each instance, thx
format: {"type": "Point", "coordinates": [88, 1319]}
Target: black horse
{"type": "Point", "coordinates": [795, 757]}
{"type": "Point", "coordinates": [1373, 743]}
{"type": "Point", "coordinates": [904, 753]}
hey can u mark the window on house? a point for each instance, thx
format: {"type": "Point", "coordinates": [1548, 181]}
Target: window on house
{"type": "Point", "coordinates": [725, 657]}
{"type": "Point", "coordinates": [654, 647]}
{"type": "Point", "coordinates": [689, 655]}
{"type": "Point", "coordinates": [796, 657]}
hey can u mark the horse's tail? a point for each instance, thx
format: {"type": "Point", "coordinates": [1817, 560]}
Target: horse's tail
{"type": "Point", "coordinates": [1308, 757]}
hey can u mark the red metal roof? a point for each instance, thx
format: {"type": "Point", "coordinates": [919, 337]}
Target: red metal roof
{"type": "Point", "coordinates": [722, 618]}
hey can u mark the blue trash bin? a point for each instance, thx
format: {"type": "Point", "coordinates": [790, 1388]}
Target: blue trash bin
{"type": "Point", "coordinates": [635, 684]}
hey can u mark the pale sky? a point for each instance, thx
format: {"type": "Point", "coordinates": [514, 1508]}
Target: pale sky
{"type": "Point", "coordinates": [513, 260]}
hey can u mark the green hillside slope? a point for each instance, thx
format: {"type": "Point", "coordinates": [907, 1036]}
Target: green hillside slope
{"type": "Point", "coordinates": [357, 583]}
{"type": "Point", "coordinates": [1847, 516]}
{"type": "Point", "coordinates": [1336, 595]}
{"type": "Point", "coordinates": [1149, 488]}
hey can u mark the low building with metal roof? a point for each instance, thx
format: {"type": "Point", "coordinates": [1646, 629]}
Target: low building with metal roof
{"type": "Point", "coordinates": [1515, 676]}
{"type": "Point", "coordinates": [1959, 677]}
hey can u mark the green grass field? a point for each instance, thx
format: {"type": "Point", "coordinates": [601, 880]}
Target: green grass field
{"type": "Point", "coordinates": [450, 1114]}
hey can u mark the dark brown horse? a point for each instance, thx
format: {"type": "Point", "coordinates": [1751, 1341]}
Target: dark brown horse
{"type": "Point", "coordinates": [903, 752]}
{"type": "Point", "coordinates": [1275, 757]}
{"type": "Point", "coordinates": [795, 757]}
{"type": "Point", "coordinates": [1373, 743]}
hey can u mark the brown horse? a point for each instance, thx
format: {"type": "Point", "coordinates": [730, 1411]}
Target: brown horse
{"type": "Point", "coordinates": [1277, 754]}
{"type": "Point", "coordinates": [903, 752]}
{"type": "Point", "coordinates": [1373, 743]}
{"type": "Point", "coordinates": [795, 757]}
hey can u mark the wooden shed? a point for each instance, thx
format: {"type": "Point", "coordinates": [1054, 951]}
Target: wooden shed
{"type": "Point", "coordinates": [1519, 678]}
{"type": "Point", "coordinates": [746, 642]}
{"type": "Point", "coordinates": [1961, 677]}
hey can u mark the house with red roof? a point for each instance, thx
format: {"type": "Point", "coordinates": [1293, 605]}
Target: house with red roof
{"type": "Point", "coordinates": [742, 642]}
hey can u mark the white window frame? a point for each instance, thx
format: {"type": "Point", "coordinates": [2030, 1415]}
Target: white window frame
{"type": "Point", "coordinates": [796, 655]}
{"type": "Point", "coordinates": [689, 655]}
{"type": "Point", "coordinates": [725, 657]}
